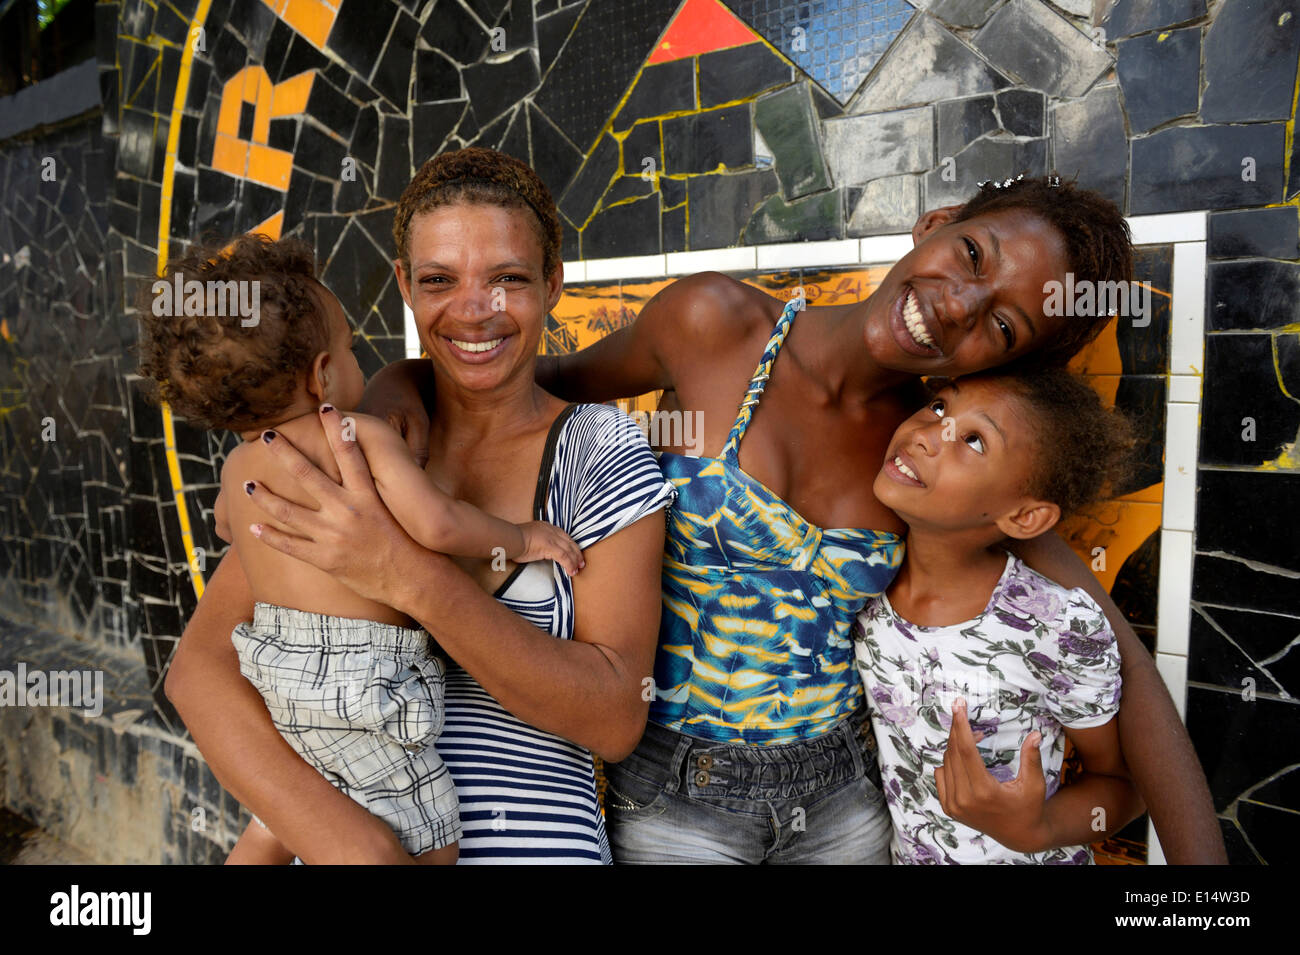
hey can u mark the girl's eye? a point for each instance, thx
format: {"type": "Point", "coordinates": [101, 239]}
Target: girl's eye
{"type": "Point", "coordinates": [973, 251]}
{"type": "Point", "coordinates": [937, 407]}
{"type": "Point", "coordinates": [974, 442]}
{"type": "Point", "coordinates": [433, 279]}
{"type": "Point", "coordinates": [1007, 332]}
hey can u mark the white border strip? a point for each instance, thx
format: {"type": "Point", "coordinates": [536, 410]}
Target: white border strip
{"type": "Point", "coordinates": [1176, 227]}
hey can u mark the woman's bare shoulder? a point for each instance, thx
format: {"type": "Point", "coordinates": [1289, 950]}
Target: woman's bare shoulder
{"type": "Point", "coordinates": [709, 307]}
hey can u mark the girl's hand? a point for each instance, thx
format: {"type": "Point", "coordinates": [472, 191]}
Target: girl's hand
{"type": "Point", "coordinates": [543, 541]}
{"type": "Point", "coordinates": [352, 537]}
{"type": "Point", "coordinates": [1012, 813]}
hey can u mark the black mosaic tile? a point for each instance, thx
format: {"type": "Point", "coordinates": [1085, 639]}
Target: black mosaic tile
{"type": "Point", "coordinates": [604, 52]}
{"type": "Point", "coordinates": [517, 21]}
{"type": "Point", "coordinates": [960, 13]}
{"type": "Point", "coordinates": [673, 229]}
{"type": "Point", "coordinates": [552, 32]}
{"type": "Point", "coordinates": [436, 78]}
{"type": "Point", "coordinates": [360, 29]}
{"type": "Point", "coordinates": [1259, 86]}
{"type": "Point", "coordinates": [1022, 111]}
{"type": "Point", "coordinates": [492, 133]}
{"type": "Point", "coordinates": [1144, 348]}
{"type": "Point", "coordinates": [1241, 742]}
{"type": "Point", "coordinates": [319, 153]}
{"type": "Point", "coordinates": [1242, 513]}
{"type": "Point", "coordinates": [1128, 17]}
{"type": "Point", "coordinates": [952, 70]}
{"type": "Point", "coordinates": [660, 89]}
{"type": "Point", "coordinates": [1245, 418]}
{"type": "Point", "coordinates": [739, 73]}
{"type": "Point", "coordinates": [812, 218]}
{"type": "Point", "coordinates": [628, 187]}
{"type": "Point", "coordinates": [229, 55]}
{"type": "Point", "coordinates": [364, 143]}
{"type": "Point", "coordinates": [515, 141]}
{"type": "Point", "coordinates": [394, 168]}
{"type": "Point", "coordinates": [1255, 294]}
{"type": "Point", "coordinates": [673, 191]}
{"type": "Point", "coordinates": [582, 194]}
{"type": "Point", "coordinates": [301, 58]}
{"type": "Point", "coordinates": [786, 119]}
{"type": "Point", "coordinates": [357, 271]}
{"type": "Point", "coordinates": [628, 229]}
{"type": "Point", "coordinates": [961, 122]}
{"type": "Point", "coordinates": [431, 124]}
{"type": "Point", "coordinates": [331, 107]}
{"type": "Point", "coordinates": [1255, 232]}
{"type": "Point", "coordinates": [1271, 831]}
{"type": "Point", "coordinates": [169, 70]}
{"type": "Point", "coordinates": [451, 29]}
{"type": "Point", "coordinates": [1026, 39]}
{"type": "Point", "coordinates": [488, 10]}
{"type": "Point", "coordinates": [495, 88]}
{"type": "Point", "coordinates": [984, 159]}
{"type": "Point", "coordinates": [721, 205]}
{"type": "Point", "coordinates": [1160, 76]}
{"type": "Point", "coordinates": [1219, 167]}
{"type": "Point", "coordinates": [700, 142]}
{"type": "Point", "coordinates": [642, 144]}
{"type": "Point", "coordinates": [1215, 659]}
{"type": "Point", "coordinates": [135, 144]}
{"type": "Point", "coordinates": [392, 77]}
{"type": "Point", "coordinates": [256, 204]}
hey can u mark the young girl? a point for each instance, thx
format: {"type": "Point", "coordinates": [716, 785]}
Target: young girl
{"type": "Point", "coordinates": [978, 668]}
{"type": "Point", "coordinates": [349, 684]}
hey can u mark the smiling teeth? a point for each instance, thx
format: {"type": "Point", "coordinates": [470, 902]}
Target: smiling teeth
{"type": "Point", "coordinates": [898, 463]}
{"type": "Point", "coordinates": [477, 346]}
{"type": "Point", "coordinates": [912, 318]}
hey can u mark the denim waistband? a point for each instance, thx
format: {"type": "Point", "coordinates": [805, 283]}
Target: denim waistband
{"type": "Point", "coordinates": [706, 768]}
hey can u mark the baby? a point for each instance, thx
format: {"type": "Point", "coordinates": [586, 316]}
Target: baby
{"type": "Point", "coordinates": [977, 668]}
{"type": "Point", "coordinates": [349, 683]}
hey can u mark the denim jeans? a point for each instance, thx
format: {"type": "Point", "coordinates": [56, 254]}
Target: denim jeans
{"type": "Point", "coordinates": [682, 799]}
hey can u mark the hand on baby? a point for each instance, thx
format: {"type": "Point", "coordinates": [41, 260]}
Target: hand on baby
{"type": "Point", "coordinates": [543, 541]}
{"type": "Point", "coordinates": [1013, 812]}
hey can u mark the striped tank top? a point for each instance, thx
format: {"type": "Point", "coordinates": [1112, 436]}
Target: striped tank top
{"type": "Point", "coordinates": [755, 642]}
{"type": "Point", "coordinates": [527, 795]}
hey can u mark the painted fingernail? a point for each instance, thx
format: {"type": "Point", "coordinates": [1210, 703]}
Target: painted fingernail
{"type": "Point", "coordinates": [255, 530]}
{"type": "Point", "coordinates": [248, 487]}
{"type": "Point", "coordinates": [326, 409]}
{"type": "Point", "coordinates": [268, 436]}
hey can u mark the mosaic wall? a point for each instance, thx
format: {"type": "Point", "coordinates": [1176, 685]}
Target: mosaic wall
{"type": "Point", "coordinates": [661, 126]}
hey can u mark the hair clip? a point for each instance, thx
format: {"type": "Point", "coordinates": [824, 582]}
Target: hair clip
{"type": "Point", "coordinates": [1054, 182]}
{"type": "Point", "coordinates": [1004, 184]}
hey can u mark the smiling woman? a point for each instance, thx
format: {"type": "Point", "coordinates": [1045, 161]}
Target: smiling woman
{"type": "Point", "coordinates": [547, 669]}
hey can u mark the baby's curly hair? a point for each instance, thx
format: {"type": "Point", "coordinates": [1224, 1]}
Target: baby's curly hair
{"type": "Point", "coordinates": [480, 177]}
{"type": "Point", "coordinates": [1098, 245]}
{"type": "Point", "coordinates": [213, 370]}
{"type": "Point", "coordinates": [1083, 451]}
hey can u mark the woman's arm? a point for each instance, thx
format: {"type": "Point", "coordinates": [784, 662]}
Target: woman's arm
{"type": "Point", "coordinates": [229, 722]}
{"type": "Point", "coordinates": [1157, 749]}
{"type": "Point", "coordinates": [589, 690]}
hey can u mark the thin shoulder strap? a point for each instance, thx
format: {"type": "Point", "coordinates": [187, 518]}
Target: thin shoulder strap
{"type": "Point", "coordinates": [758, 382]}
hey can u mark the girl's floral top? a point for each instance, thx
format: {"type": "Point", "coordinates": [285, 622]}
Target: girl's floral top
{"type": "Point", "coordinates": [1038, 657]}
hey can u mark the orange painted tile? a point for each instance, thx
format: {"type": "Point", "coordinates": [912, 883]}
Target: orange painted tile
{"type": "Point", "coordinates": [289, 97]}
{"type": "Point", "coordinates": [270, 167]}
{"type": "Point", "coordinates": [701, 26]}
{"type": "Point", "coordinates": [312, 18]}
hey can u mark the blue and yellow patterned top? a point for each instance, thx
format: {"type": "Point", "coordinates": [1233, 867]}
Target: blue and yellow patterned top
{"type": "Point", "coordinates": [755, 643]}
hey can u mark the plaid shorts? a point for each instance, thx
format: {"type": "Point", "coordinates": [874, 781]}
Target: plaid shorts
{"type": "Point", "coordinates": [362, 702]}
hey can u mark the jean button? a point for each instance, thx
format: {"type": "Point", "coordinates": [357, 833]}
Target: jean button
{"type": "Point", "coordinates": [701, 778]}
{"type": "Point", "coordinates": [704, 762]}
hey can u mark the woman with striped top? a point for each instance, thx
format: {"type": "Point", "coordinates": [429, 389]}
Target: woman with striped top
{"type": "Point", "coordinates": [546, 669]}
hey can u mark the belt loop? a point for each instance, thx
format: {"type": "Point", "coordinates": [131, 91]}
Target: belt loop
{"type": "Point", "coordinates": [678, 760]}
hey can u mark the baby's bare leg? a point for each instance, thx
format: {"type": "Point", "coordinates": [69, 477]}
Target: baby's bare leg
{"type": "Point", "coordinates": [259, 846]}
{"type": "Point", "coordinates": [447, 855]}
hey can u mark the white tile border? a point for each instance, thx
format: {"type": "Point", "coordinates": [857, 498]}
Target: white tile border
{"type": "Point", "coordinates": [1182, 429]}
{"type": "Point", "coordinates": [1174, 592]}
{"type": "Point", "coordinates": [1174, 670]}
{"type": "Point", "coordinates": [1187, 325]}
{"type": "Point", "coordinates": [1177, 227]}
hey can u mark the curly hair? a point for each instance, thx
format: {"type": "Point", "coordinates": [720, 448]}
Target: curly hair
{"type": "Point", "coordinates": [208, 366]}
{"type": "Point", "coordinates": [480, 177]}
{"type": "Point", "coordinates": [1083, 452]}
{"type": "Point", "coordinates": [1098, 245]}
